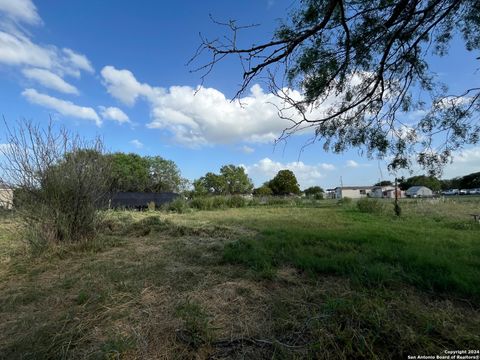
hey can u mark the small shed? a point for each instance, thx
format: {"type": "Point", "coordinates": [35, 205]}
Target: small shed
{"type": "Point", "coordinates": [419, 191]}
{"type": "Point", "coordinates": [6, 196]}
{"type": "Point", "coordinates": [140, 200]}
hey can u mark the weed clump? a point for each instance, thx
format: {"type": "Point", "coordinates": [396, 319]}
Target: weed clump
{"type": "Point", "coordinates": [370, 206]}
{"type": "Point", "coordinates": [344, 201]}
{"type": "Point", "coordinates": [196, 325]}
{"type": "Point", "coordinates": [237, 201]}
{"type": "Point", "coordinates": [179, 206]}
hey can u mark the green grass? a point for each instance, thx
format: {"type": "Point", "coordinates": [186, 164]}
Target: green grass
{"type": "Point", "coordinates": [319, 280]}
{"type": "Point", "coordinates": [370, 249]}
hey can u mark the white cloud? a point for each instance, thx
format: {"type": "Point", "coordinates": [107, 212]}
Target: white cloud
{"type": "Point", "coordinates": [352, 164]}
{"type": "Point", "coordinates": [307, 175]}
{"type": "Point", "coordinates": [202, 116]}
{"type": "Point", "coordinates": [114, 113]}
{"type": "Point", "coordinates": [20, 11]}
{"type": "Point", "coordinates": [49, 80]}
{"type": "Point", "coordinates": [464, 162]}
{"type": "Point", "coordinates": [63, 107]}
{"type": "Point", "coordinates": [247, 149]}
{"type": "Point", "coordinates": [122, 85]}
{"type": "Point", "coordinates": [77, 61]}
{"type": "Point", "coordinates": [17, 49]}
{"type": "Point", "coordinates": [137, 143]}
{"type": "Point", "coordinates": [46, 64]}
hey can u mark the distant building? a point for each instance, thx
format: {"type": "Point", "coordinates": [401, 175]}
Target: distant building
{"type": "Point", "coordinates": [386, 192]}
{"type": "Point", "coordinates": [6, 196]}
{"type": "Point", "coordinates": [419, 191]}
{"type": "Point", "coordinates": [140, 200]}
{"type": "Point", "coordinates": [353, 192]}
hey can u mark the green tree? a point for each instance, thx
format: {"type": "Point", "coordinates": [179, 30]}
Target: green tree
{"type": "Point", "coordinates": [164, 175]}
{"type": "Point", "coordinates": [384, 183]}
{"type": "Point", "coordinates": [363, 64]}
{"type": "Point", "coordinates": [470, 181]}
{"type": "Point", "coordinates": [284, 183]}
{"type": "Point", "coordinates": [210, 184]}
{"type": "Point", "coordinates": [129, 172]}
{"type": "Point", "coordinates": [422, 180]}
{"type": "Point", "coordinates": [237, 181]}
{"type": "Point", "coordinates": [315, 192]}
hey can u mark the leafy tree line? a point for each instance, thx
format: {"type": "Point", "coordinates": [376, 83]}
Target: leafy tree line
{"type": "Point", "coordinates": [470, 181]}
{"type": "Point", "coordinates": [132, 172]}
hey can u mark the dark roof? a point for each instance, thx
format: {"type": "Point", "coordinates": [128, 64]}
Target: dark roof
{"type": "Point", "coordinates": [139, 199]}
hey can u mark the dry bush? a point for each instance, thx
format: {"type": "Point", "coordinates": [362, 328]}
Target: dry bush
{"type": "Point", "coordinates": [60, 181]}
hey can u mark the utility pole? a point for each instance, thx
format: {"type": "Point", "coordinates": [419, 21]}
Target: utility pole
{"type": "Point", "coordinates": [398, 210]}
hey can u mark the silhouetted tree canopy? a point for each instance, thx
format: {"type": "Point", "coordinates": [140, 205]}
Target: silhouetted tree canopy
{"type": "Point", "coordinates": [284, 183]}
{"type": "Point", "coordinates": [314, 191]}
{"type": "Point", "coordinates": [384, 183]}
{"type": "Point", "coordinates": [431, 182]}
{"type": "Point", "coordinates": [350, 70]}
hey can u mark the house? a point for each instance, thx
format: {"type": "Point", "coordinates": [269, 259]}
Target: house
{"type": "Point", "coordinates": [6, 196]}
{"type": "Point", "coordinates": [418, 191]}
{"type": "Point", "coordinates": [386, 192]}
{"type": "Point", "coordinates": [140, 200]}
{"type": "Point", "coordinates": [353, 192]}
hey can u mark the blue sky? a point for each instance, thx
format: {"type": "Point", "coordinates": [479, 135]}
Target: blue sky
{"type": "Point", "coordinates": [118, 69]}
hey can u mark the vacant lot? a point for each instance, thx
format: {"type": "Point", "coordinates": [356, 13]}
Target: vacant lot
{"type": "Point", "coordinates": [320, 280]}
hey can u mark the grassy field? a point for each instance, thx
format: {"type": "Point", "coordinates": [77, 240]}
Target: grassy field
{"type": "Point", "coordinates": [320, 280]}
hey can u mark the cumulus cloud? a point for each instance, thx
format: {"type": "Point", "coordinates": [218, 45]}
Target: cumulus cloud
{"type": "Point", "coordinates": [201, 116]}
{"type": "Point", "coordinates": [137, 143]}
{"type": "Point", "coordinates": [122, 85]}
{"type": "Point", "coordinates": [114, 113]}
{"type": "Point", "coordinates": [49, 80]}
{"type": "Point", "coordinates": [20, 11]}
{"type": "Point", "coordinates": [307, 175]}
{"type": "Point", "coordinates": [63, 107]}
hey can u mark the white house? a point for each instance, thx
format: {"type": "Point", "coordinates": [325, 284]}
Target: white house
{"type": "Point", "coordinates": [353, 192]}
{"type": "Point", "coordinates": [419, 191]}
{"type": "Point", "coordinates": [6, 196]}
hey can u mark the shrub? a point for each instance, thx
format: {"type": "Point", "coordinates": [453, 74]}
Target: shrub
{"type": "Point", "coordinates": [201, 203]}
{"type": "Point", "coordinates": [219, 202]}
{"type": "Point", "coordinates": [276, 200]}
{"type": "Point", "coordinates": [60, 180]}
{"type": "Point", "coordinates": [371, 206]}
{"type": "Point", "coordinates": [344, 201]}
{"type": "Point", "coordinates": [179, 205]}
{"type": "Point", "coordinates": [237, 201]}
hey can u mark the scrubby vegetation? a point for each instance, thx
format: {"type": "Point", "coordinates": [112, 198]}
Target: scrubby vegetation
{"type": "Point", "coordinates": [304, 279]}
